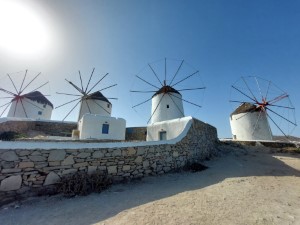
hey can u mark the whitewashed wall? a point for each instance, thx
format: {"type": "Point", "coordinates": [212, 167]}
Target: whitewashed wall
{"type": "Point", "coordinates": [90, 127]}
{"type": "Point", "coordinates": [99, 107]}
{"type": "Point", "coordinates": [248, 127]}
{"type": "Point", "coordinates": [32, 109]}
{"type": "Point", "coordinates": [173, 128]}
{"type": "Point", "coordinates": [163, 113]}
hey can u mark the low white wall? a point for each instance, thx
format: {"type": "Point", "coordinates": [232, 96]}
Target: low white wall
{"type": "Point", "coordinates": [250, 126]}
{"type": "Point", "coordinates": [32, 109]}
{"type": "Point", "coordinates": [90, 127]}
{"type": "Point", "coordinates": [173, 128]}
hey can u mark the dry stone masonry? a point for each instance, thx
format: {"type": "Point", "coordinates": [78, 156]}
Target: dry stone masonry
{"type": "Point", "coordinates": [34, 172]}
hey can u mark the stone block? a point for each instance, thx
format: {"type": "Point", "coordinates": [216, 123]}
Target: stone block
{"type": "Point", "coordinates": [146, 164]}
{"type": "Point", "coordinates": [37, 158]}
{"type": "Point", "coordinates": [141, 151]}
{"type": "Point", "coordinates": [57, 155]}
{"type": "Point", "coordinates": [54, 163]}
{"type": "Point", "coordinates": [138, 159]}
{"type": "Point", "coordinates": [24, 153]}
{"type": "Point", "coordinates": [102, 168]}
{"type": "Point", "coordinates": [112, 169]}
{"type": "Point", "coordinates": [7, 165]}
{"type": "Point", "coordinates": [82, 164]}
{"type": "Point", "coordinates": [69, 171]}
{"type": "Point", "coordinates": [11, 183]}
{"type": "Point", "coordinates": [51, 178]}
{"type": "Point", "coordinates": [126, 168]}
{"type": "Point", "coordinates": [92, 169]}
{"type": "Point", "coordinates": [13, 170]}
{"type": "Point", "coordinates": [98, 154]}
{"type": "Point", "coordinates": [68, 161]}
{"type": "Point", "coordinates": [175, 154]}
{"type": "Point", "coordinates": [36, 153]}
{"type": "Point", "coordinates": [9, 156]}
{"type": "Point", "coordinates": [117, 152]}
{"type": "Point", "coordinates": [83, 155]}
{"type": "Point", "coordinates": [131, 151]}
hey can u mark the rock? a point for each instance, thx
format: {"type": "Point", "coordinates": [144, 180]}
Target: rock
{"type": "Point", "coordinates": [112, 169]}
{"type": "Point", "coordinates": [83, 155]}
{"type": "Point", "coordinates": [82, 164]}
{"type": "Point", "coordinates": [98, 154]}
{"type": "Point", "coordinates": [51, 178]}
{"type": "Point", "coordinates": [92, 169]}
{"type": "Point", "coordinates": [117, 152]}
{"type": "Point", "coordinates": [146, 164]}
{"type": "Point", "coordinates": [14, 170]}
{"type": "Point", "coordinates": [7, 165]}
{"type": "Point", "coordinates": [126, 167]}
{"type": "Point", "coordinates": [102, 168]}
{"type": "Point", "coordinates": [131, 151]}
{"type": "Point", "coordinates": [69, 171]}
{"type": "Point", "coordinates": [138, 159]}
{"type": "Point", "coordinates": [57, 155]}
{"type": "Point", "coordinates": [141, 151]}
{"type": "Point", "coordinates": [11, 183]}
{"type": "Point", "coordinates": [24, 153]}
{"type": "Point", "coordinates": [54, 163]}
{"type": "Point", "coordinates": [36, 153]}
{"type": "Point", "coordinates": [9, 156]}
{"type": "Point", "coordinates": [37, 158]}
{"type": "Point", "coordinates": [68, 161]}
{"type": "Point", "coordinates": [175, 154]}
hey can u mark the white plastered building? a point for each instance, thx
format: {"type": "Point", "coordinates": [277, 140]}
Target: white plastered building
{"type": "Point", "coordinates": [33, 105]}
{"type": "Point", "coordinates": [167, 111]}
{"type": "Point", "coordinates": [95, 121]}
{"type": "Point", "coordinates": [248, 122]}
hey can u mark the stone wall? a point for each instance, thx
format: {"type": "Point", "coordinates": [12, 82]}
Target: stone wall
{"type": "Point", "coordinates": [34, 128]}
{"type": "Point", "coordinates": [136, 134]}
{"type": "Point", "coordinates": [29, 172]}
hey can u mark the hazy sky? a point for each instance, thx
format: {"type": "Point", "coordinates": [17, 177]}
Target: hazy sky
{"type": "Point", "coordinates": [224, 40]}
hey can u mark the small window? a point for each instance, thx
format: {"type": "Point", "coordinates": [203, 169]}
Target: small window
{"type": "Point", "coordinates": [168, 106]}
{"type": "Point", "coordinates": [40, 113]}
{"type": "Point", "coordinates": [44, 106]}
{"type": "Point", "coordinates": [163, 135]}
{"type": "Point", "coordinates": [105, 128]}
{"type": "Point", "coordinates": [234, 137]}
{"type": "Point", "coordinates": [108, 105]}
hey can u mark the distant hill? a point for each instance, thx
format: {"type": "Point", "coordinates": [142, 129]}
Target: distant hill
{"type": "Point", "coordinates": [283, 138]}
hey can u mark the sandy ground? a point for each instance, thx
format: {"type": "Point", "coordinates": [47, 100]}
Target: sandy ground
{"type": "Point", "coordinates": [247, 187]}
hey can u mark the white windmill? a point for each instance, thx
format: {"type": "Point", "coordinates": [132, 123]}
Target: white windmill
{"type": "Point", "coordinates": [94, 118]}
{"type": "Point", "coordinates": [32, 104]}
{"type": "Point", "coordinates": [167, 111]}
{"type": "Point", "coordinates": [260, 102]}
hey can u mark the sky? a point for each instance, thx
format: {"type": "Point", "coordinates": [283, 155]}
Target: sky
{"type": "Point", "coordinates": [223, 40]}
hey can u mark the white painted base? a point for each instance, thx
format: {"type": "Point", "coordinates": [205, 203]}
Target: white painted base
{"type": "Point", "coordinates": [173, 129]}
{"type": "Point", "coordinates": [90, 127]}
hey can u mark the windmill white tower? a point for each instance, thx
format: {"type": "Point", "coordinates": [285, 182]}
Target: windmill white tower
{"type": "Point", "coordinates": [260, 102]}
{"type": "Point", "coordinates": [250, 123]}
{"type": "Point", "coordinates": [94, 118]}
{"type": "Point", "coordinates": [166, 104]}
{"type": "Point", "coordinates": [32, 105]}
{"type": "Point", "coordinates": [167, 111]}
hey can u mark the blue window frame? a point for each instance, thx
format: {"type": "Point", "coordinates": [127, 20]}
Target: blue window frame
{"type": "Point", "coordinates": [105, 128]}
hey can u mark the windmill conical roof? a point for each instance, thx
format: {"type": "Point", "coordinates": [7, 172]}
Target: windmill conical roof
{"type": "Point", "coordinates": [98, 96]}
{"type": "Point", "coordinates": [166, 89]}
{"type": "Point", "coordinates": [37, 97]}
{"type": "Point", "coordinates": [244, 108]}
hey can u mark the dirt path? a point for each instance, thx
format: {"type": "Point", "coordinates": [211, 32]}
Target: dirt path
{"type": "Point", "coordinates": [241, 187]}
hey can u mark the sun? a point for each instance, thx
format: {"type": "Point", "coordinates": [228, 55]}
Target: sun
{"type": "Point", "coordinates": [23, 30]}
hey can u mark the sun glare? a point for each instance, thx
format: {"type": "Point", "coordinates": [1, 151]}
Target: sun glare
{"type": "Point", "coordinates": [23, 30]}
